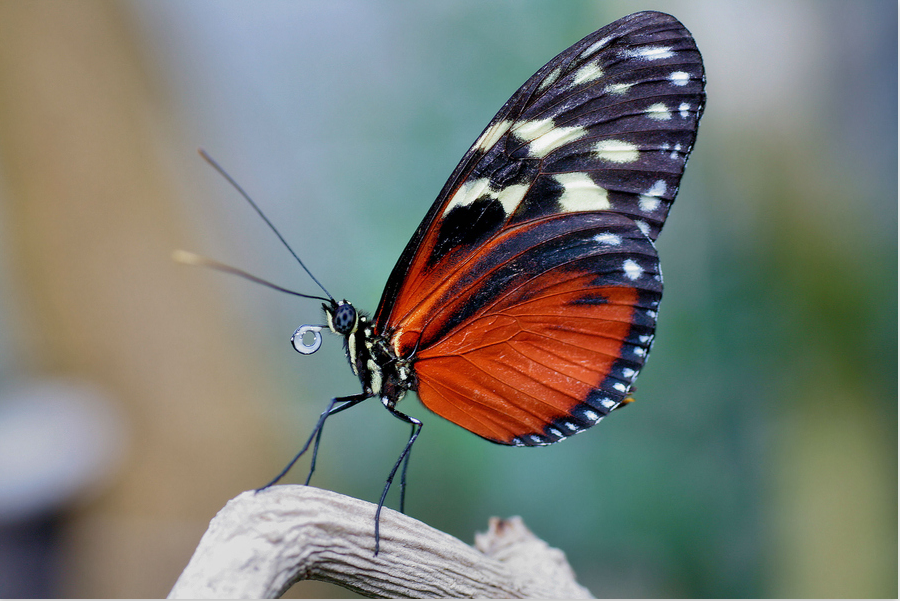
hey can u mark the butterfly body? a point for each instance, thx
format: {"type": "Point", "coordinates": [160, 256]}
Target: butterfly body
{"type": "Point", "coordinates": [381, 372]}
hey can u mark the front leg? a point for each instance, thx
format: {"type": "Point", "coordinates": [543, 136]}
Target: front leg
{"type": "Point", "coordinates": [404, 458]}
{"type": "Point", "coordinates": [347, 402]}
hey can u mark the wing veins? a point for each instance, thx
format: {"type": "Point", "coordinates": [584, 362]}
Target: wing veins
{"type": "Point", "coordinates": [543, 335]}
{"type": "Point", "coordinates": [442, 389]}
{"type": "Point", "coordinates": [492, 409]}
{"type": "Point", "coordinates": [527, 394]}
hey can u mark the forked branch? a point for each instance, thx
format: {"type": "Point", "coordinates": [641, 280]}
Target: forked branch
{"type": "Point", "coordinates": [261, 543]}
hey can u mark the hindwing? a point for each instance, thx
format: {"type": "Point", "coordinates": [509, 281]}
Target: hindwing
{"type": "Point", "coordinates": [541, 334]}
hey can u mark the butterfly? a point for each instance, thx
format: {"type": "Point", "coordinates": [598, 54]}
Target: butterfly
{"type": "Point", "coordinates": [525, 304]}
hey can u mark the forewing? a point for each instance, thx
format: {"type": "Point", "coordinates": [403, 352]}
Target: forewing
{"type": "Point", "coordinates": [607, 125]}
{"type": "Point", "coordinates": [543, 333]}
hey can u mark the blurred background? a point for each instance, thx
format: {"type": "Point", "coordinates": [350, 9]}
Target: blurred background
{"type": "Point", "coordinates": [137, 395]}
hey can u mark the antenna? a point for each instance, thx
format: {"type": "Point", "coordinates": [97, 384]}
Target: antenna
{"type": "Point", "coordinates": [189, 258]}
{"type": "Point", "coordinates": [246, 196]}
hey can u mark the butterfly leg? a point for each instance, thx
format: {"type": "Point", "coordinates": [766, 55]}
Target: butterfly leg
{"type": "Point", "coordinates": [413, 434]}
{"type": "Point", "coordinates": [404, 457]}
{"type": "Point", "coordinates": [347, 402]}
{"type": "Point", "coordinates": [312, 463]}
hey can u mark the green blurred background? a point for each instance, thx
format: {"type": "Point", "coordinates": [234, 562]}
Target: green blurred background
{"type": "Point", "coordinates": [761, 457]}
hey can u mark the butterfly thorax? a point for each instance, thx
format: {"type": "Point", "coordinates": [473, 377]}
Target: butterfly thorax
{"type": "Point", "coordinates": [372, 359]}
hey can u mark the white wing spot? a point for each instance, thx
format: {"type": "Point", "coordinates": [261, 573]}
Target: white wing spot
{"type": "Point", "coordinates": [550, 138]}
{"type": "Point", "coordinates": [659, 111]}
{"type": "Point", "coordinates": [642, 225]}
{"type": "Point", "coordinates": [609, 403]}
{"type": "Point", "coordinates": [632, 270]}
{"type": "Point", "coordinates": [618, 88]}
{"type": "Point", "coordinates": [580, 193]}
{"type": "Point", "coordinates": [648, 204]}
{"type": "Point", "coordinates": [649, 200]}
{"type": "Point", "coordinates": [618, 386]}
{"type": "Point", "coordinates": [684, 109]}
{"type": "Point", "coordinates": [650, 53]}
{"type": "Point", "coordinates": [529, 130]}
{"type": "Point", "coordinates": [555, 432]}
{"type": "Point", "coordinates": [510, 196]}
{"type": "Point", "coordinates": [550, 79]}
{"type": "Point", "coordinates": [657, 189]}
{"type": "Point", "coordinates": [628, 372]}
{"type": "Point", "coordinates": [491, 135]}
{"type": "Point", "coordinates": [675, 151]}
{"type": "Point", "coordinates": [591, 415]}
{"type": "Point", "coordinates": [570, 426]}
{"type": "Point", "coordinates": [616, 151]}
{"type": "Point", "coordinates": [679, 78]}
{"type": "Point", "coordinates": [610, 239]}
{"type": "Point", "coordinates": [645, 339]}
{"type": "Point", "coordinates": [594, 47]}
{"type": "Point", "coordinates": [640, 352]}
{"type": "Point", "coordinates": [468, 193]}
{"type": "Point", "coordinates": [589, 72]}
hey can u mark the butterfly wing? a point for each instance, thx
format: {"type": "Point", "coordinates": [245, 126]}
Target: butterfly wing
{"type": "Point", "coordinates": [544, 332]}
{"type": "Point", "coordinates": [514, 305]}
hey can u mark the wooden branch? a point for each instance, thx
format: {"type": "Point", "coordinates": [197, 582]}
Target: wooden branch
{"type": "Point", "coordinates": [261, 543]}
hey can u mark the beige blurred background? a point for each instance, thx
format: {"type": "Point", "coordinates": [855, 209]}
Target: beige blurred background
{"type": "Point", "coordinates": [92, 209]}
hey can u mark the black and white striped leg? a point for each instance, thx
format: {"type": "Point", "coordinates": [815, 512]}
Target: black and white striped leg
{"type": "Point", "coordinates": [404, 458]}
{"type": "Point", "coordinates": [348, 401]}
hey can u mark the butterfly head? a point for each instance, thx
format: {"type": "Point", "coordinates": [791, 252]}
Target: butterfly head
{"type": "Point", "coordinates": [342, 317]}
{"type": "Point", "coordinates": [343, 320]}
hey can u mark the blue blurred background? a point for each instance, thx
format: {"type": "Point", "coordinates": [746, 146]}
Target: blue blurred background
{"type": "Point", "coordinates": [137, 396]}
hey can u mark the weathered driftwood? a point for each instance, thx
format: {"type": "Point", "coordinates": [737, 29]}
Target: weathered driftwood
{"type": "Point", "coordinates": [261, 543]}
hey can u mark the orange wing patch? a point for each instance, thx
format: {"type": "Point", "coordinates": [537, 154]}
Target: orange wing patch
{"type": "Point", "coordinates": [531, 362]}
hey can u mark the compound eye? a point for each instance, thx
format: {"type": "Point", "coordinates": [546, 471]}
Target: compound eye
{"type": "Point", "coordinates": [344, 319]}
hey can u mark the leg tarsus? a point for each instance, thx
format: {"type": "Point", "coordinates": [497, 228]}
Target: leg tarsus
{"type": "Point", "coordinates": [404, 456]}
{"type": "Point", "coordinates": [405, 467]}
{"type": "Point", "coordinates": [348, 401]}
{"type": "Point", "coordinates": [312, 463]}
